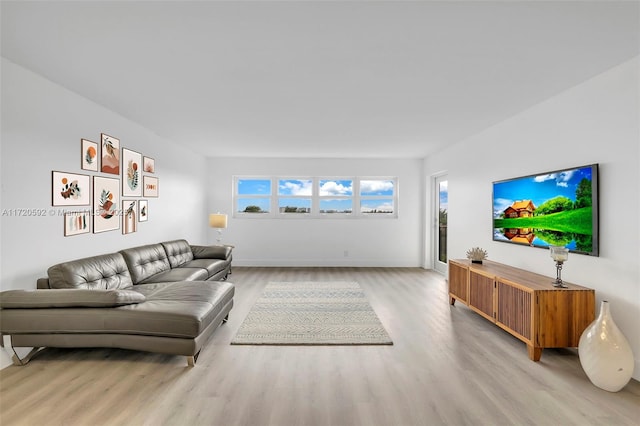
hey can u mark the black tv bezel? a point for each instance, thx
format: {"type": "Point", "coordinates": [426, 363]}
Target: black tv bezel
{"type": "Point", "coordinates": [595, 215]}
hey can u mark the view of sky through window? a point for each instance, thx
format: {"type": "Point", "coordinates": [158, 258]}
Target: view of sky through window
{"type": "Point", "coordinates": [336, 187]}
{"type": "Point", "coordinates": [376, 187]}
{"type": "Point", "coordinates": [376, 206]}
{"type": "Point", "coordinates": [295, 187]}
{"type": "Point", "coordinates": [316, 196]}
{"type": "Point", "coordinates": [254, 187]}
{"type": "Point", "coordinates": [263, 205]}
{"type": "Point", "coordinates": [336, 206]}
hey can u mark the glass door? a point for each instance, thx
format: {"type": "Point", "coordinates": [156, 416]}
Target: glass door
{"type": "Point", "coordinates": [441, 204]}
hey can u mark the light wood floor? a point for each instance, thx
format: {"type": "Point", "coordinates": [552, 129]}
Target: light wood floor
{"type": "Point", "coordinates": [447, 366]}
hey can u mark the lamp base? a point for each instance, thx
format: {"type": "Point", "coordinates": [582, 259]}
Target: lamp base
{"type": "Point", "coordinates": [558, 282]}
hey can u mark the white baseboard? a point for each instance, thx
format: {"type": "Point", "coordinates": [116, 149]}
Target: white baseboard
{"type": "Point", "coordinates": [324, 263]}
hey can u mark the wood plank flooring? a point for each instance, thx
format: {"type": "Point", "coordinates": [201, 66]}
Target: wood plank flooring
{"type": "Point", "coordinates": [448, 366]}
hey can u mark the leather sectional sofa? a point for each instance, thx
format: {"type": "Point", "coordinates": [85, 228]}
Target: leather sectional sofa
{"type": "Point", "coordinates": [166, 297]}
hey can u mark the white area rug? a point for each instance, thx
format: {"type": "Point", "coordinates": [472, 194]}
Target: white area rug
{"type": "Point", "coordinates": [312, 313]}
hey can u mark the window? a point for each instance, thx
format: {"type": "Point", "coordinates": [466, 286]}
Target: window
{"type": "Point", "coordinates": [253, 196]}
{"type": "Point", "coordinates": [335, 196]}
{"type": "Point", "coordinates": [294, 196]}
{"type": "Point", "coordinates": [377, 196]}
{"type": "Point", "coordinates": [324, 197]}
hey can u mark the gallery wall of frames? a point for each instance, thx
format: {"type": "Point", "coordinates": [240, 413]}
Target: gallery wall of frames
{"type": "Point", "coordinates": [115, 190]}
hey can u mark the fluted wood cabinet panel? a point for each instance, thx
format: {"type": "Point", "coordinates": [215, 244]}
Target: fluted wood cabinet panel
{"type": "Point", "coordinates": [514, 309]}
{"type": "Point", "coordinates": [458, 282]}
{"type": "Point", "coordinates": [481, 294]}
{"type": "Point", "coordinates": [525, 304]}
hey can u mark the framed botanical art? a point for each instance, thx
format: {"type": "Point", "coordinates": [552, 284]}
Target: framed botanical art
{"type": "Point", "coordinates": [110, 155]}
{"type": "Point", "coordinates": [89, 155]}
{"type": "Point", "coordinates": [76, 223]}
{"type": "Point", "coordinates": [143, 210]}
{"type": "Point", "coordinates": [149, 165]}
{"type": "Point", "coordinates": [150, 186]}
{"type": "Point", "coordinates": [106, 199]}
{"type": "Point", "coordinates": [131, 167]}
{"type": "Point", "coordinates": [70, 189]}
{"type": "Point", "coordinates": [129, 216]}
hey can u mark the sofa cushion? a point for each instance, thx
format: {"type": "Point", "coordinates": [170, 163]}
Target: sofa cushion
{"type": "Point", "coordinates": [104, 272]}
{"type": "Point", "coordinates": [146, 261]}
{"type": "Point", "coordinates": [178, 252]}
{"type": "Point", "coordinates": [181, 309]}
{"type": "Point", "coordinates": [68, 298]}
{"type": "Point", "coordinates": [178, 274]}
{"type": "Point", "coordinates": [211, 252]}
{"type": "Point", "coordinates": [212, 266]}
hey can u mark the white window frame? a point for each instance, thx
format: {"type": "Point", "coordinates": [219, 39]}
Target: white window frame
{"type": "Point", "coordinates": [355, 197]}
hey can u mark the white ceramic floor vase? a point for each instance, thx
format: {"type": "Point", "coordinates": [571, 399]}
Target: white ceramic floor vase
{"type": "Point", "coordinates": [605, 353]}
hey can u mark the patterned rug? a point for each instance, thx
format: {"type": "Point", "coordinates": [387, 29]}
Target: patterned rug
{"type": "Point", "coordinates": [312, 313]}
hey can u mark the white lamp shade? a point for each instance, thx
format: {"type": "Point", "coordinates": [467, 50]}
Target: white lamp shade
{"type": "Point", "coordinates": [218, 220]}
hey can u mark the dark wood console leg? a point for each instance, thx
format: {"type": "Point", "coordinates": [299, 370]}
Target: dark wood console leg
{"type": "Point", "coordinates": [534, 353]}
{"type": "Point", "coordinates": [452, 300]}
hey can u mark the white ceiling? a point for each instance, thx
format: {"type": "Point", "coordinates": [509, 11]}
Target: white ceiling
{"type": "Point", "coordinates": [365, 79]}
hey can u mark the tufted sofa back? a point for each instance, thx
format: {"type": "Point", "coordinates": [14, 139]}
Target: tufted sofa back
{"type": "Point", "coordinates": [178, 251]}
{"type": "Point", "coordinates": [145, 261]}
{"type": "Point", "coordinates": [104, 272]}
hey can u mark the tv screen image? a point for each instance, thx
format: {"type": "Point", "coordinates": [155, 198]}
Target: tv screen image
{"type": "Point", "coordinates": [553, 208]}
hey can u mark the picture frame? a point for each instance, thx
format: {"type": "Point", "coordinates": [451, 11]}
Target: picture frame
{"type": "Point", "coordinates": [143, 210]}
{"type": "Point", "coordinates": [89, 155]}
{"type": "Point", "coordinates": [110, 159]}
{"type": "Point", "coordinates": [106, 200]}
{"type": "Point", "coordinates": [150, 187]}
{"type": "Point", "coordinates": [131, 173]}
{"type": "Point", "coordinates": [129, 216]}
{"type": "Point", "coordinates": [70, 189]}
{"type": "Point", "coordinates": [76, 223]}
{"type": "Point", "coordinates": [149, 165]}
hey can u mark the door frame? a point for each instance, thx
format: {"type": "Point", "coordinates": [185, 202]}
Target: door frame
{"type": "Point", "coordinates": [438, 266]}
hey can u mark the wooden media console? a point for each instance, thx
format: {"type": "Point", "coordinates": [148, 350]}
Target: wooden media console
{"type": "Point", "coordinates": [523, 303]}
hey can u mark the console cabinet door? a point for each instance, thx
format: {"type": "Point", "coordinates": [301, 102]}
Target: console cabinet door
{"type": "Point", "coordinates": [562, 316]}
{"type": "Point", "coordinates": [458, 282]}
{"type": "Point", "coordinates": [515, 308]}
{"type": "Point", "coordinates": [481, 294]}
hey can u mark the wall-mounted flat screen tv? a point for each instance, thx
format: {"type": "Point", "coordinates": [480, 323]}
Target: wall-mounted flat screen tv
{"type": "Point", "coordinates": [553, 208]}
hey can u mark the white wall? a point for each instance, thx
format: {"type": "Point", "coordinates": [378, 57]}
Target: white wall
{"type": "Point", "coordinates": [42, 124]}
{"type": "Point", "coordinates": [321, 242]}
{"type": "Point", "coordinates": [595, 122]}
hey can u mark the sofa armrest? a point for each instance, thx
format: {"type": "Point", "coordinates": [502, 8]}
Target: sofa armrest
{"type": "Point", "coordinates": [211, 252]}
{"type": "Point", "coordinates": [43, 283]}
{"type": "Point", "coordinates": [68, 298]}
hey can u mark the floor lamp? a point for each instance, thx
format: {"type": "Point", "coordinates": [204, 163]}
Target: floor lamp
{"type": "Point", "coordinates": [218, 221]}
